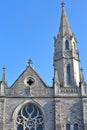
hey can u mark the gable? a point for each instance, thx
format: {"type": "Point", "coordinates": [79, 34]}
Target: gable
{"type": "Point", "coordinates": [29, 83]}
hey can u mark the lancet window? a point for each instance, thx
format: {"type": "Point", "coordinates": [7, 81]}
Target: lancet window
{"type": "Point", "coordinates": [67, 126]}
{"type": "Point", "coordinates": [75, 126]}
{"type": "Point", "coordinates": [68, 75]}
{"type": "Point", "coordinates": [66, 45]}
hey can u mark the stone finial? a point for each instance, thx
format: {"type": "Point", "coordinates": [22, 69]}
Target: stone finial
{"type": "Point", "coordinates": [30, 62]}
{"type": "Point", "coordinates": [3, 82]}
{"type": "Point", "coordinates": [56, 79]}
{"type": "Point", "coordinates": [63, 4]}
{"type": "Point", "coordinates": [4, 75]}
{"type": "Point", "coordinates": [81, 75]}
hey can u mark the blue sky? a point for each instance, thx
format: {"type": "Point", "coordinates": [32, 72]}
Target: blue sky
{"type": "Point", "coordinates": [27, 28]}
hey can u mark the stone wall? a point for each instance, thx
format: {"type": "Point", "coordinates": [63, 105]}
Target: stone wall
{"type": "Point", "coordinates": [13, 105]}
{"type": "Point", "coordinates": [68, 111]}
{"type": "Point", "coordinates": [1, 113]}
{"type": "Point", "coordinates": [85, 112]}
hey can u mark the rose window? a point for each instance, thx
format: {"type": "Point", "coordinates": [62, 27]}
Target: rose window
{"type": "Point", "coordinates": [30, 117]}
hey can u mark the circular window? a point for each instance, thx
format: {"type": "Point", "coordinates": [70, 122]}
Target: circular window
{"type": "Point", "coordinates": [30, 81]}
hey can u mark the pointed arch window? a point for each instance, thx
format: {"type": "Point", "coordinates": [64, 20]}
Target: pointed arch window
{"type": "Point", "coordinates": [30, 117]}
{"type": "Point", "coordinates": [66, 45]}
{"type": "Point", "coordinates": [68, 75]}
{"type": "Point", "coordinates": [67, 126]}
{"type": "Point", "coordinates": [75, 126]}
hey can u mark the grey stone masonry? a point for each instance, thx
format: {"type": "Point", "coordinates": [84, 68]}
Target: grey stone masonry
{"type": "Point", "coordinates": [30, 104]}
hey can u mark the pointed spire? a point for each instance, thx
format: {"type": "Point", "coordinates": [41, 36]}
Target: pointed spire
{"type": "Point", "coordinates": [4, 75]}
{"type": "Point", "coordinates": [64, 24]}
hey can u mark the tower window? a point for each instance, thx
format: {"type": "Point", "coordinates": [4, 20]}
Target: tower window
{"type": "Point", "coordinates": [67, 45]}
{"type": "Point", "coordinates": [67, 126]}
{"type": "Point", "coordinates": [30, 117]}
{"type": "Point", "coordinates": [68, 75]}
{"type": "Point", "coordinates": [75, 126]}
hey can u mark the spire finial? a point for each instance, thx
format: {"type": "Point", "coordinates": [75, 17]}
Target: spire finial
{"type": "Point", "coordinates": [62, 4]}
{"type": "Point", "coordinates": [3, 75]}
{"type": "Point", "coordinates": [4, 68]}
{"type": "Point", "coordinates": [30, 62]}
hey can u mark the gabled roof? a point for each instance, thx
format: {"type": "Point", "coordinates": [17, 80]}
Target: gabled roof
{"type": "Point", "coordinates": [33, 70]}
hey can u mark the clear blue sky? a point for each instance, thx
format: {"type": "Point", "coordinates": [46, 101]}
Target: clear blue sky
{"type": "Point", "coordinates": [27, 28]}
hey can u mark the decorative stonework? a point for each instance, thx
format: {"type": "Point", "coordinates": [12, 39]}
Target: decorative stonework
{"type": "Point", "coordinates": [29, 81]}
{"type": "Point", "coordinates": [30, 117]}
{"type": "Point", "coordinates": [69, 90]}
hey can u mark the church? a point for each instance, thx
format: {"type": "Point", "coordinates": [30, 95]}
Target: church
{"type": "Point", "coordinates": [30, 104]}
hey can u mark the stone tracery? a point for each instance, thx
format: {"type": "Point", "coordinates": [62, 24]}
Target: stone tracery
{"type": "Point", "coordinates": [30, 117]}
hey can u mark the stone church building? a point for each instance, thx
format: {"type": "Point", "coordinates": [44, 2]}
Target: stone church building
{"type": "Point", "coordinates": [30, 104]}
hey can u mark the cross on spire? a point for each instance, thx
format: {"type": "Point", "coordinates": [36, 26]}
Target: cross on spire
{"type": "Point", "coordinates": [62, 4]}
{"type": "Point", "coordinates": [30, 62]}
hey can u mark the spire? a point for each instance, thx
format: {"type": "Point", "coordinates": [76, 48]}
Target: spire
{"type": "Point", "coordinates": [64, 24]}
{"type": "Point", "coordinates": [4, 82]}
{"type": "Point", "coordinates": [3, 75]}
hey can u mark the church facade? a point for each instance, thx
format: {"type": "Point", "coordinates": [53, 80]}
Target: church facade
{"type": "Point", "coordinates": [30, 104]}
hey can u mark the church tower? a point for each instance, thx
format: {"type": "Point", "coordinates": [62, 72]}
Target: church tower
{"type": "Point", "coordinates": [66, 56]}
{"type": "Point", "coordinates": [68, 79]}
